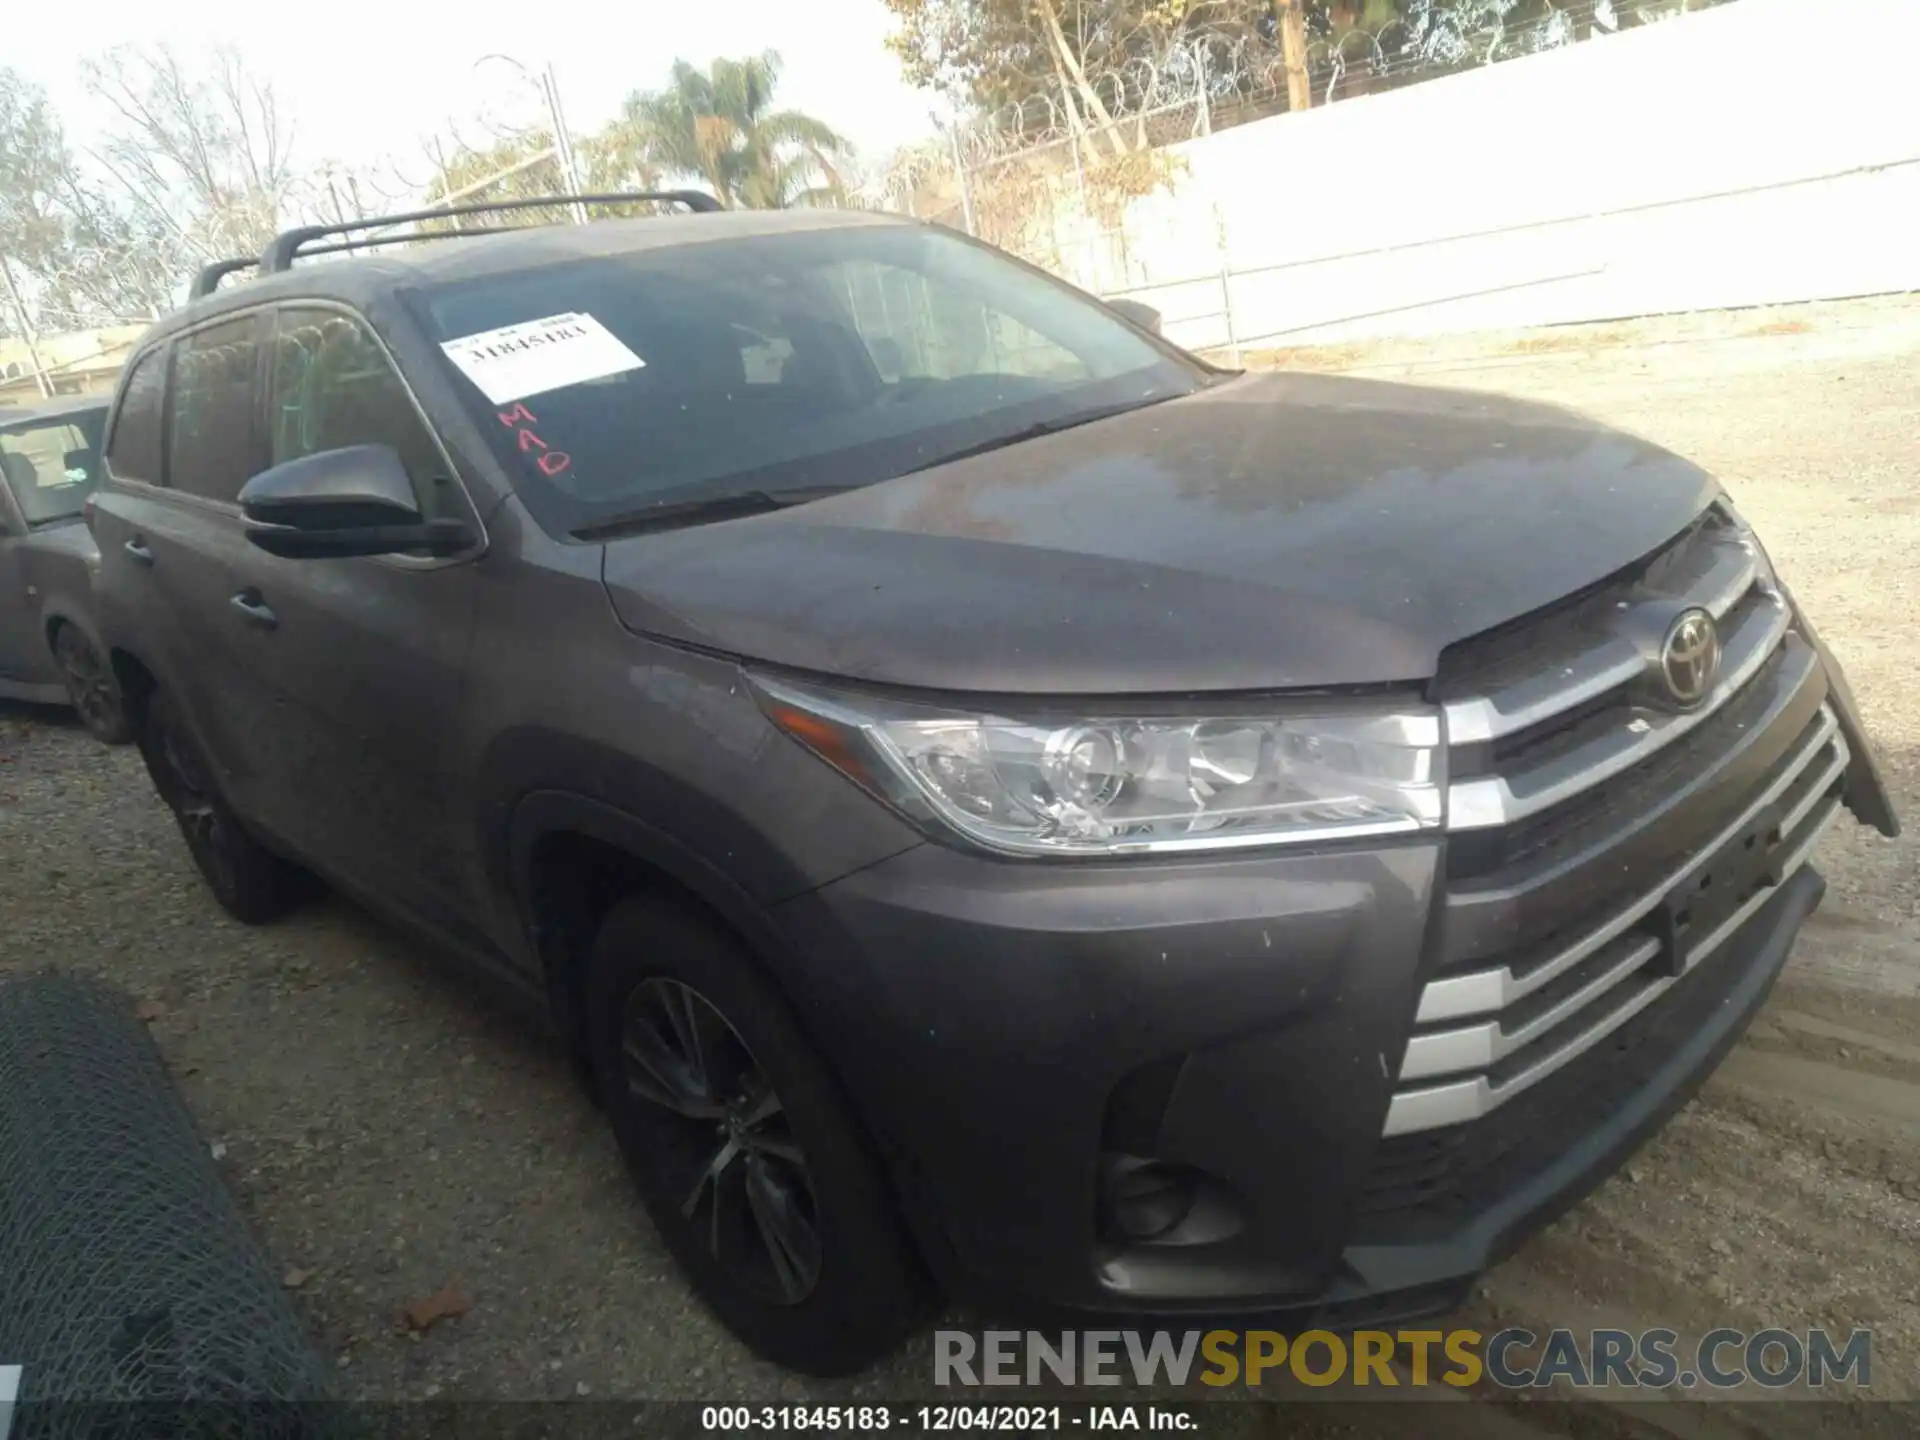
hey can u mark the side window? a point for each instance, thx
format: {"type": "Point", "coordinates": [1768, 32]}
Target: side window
{"type": "Point", "coordinates": [333, 386]}
{"type": "Point", "coordinates": [210, 410]}
{"type": "Point", "coordinates": [51, 468]}
{"type": "Point", "coordinates": [134, 451]}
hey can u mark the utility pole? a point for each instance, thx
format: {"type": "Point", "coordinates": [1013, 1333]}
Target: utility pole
{"type": "Point", "coordinates": [1291, 17]}
{"type": "Point", "coordinates": [966, 185]}
{"type": "Point", "coordinates": [26, 330]}
{"type": "Point", "coordinates": [563, 142]}
{"type": "Point", "coordinates": [562, 151]}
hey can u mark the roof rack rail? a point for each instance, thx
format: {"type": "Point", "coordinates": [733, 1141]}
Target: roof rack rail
{"type": "Point", "coordinates": [210, 276]}
{"type": "Point", "coordinates": [280, 254]}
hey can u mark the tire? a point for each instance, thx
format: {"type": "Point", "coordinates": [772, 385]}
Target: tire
{"type": "Point", "coordinates": [251, 883]}
{"type": "Point", "coordinates": [799, 1167]}
{"type": "Point", "coordinates": [91, 686]}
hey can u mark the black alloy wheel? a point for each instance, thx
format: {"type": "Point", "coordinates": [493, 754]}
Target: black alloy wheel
{"type": "Point", "coordinates": [91, 686]}
{"type": "Point", "coordinates": [201, 820]}
{"type": "Point", "coordinates": [746, 1184]}
{"type": "Point", "coordinates": [744, 1146]}
{"type": "Point", "coordinates": [252, 884]}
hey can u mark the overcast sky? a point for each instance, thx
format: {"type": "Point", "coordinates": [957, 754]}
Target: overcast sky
{"type": "Point", "coordinates": [364, 79]}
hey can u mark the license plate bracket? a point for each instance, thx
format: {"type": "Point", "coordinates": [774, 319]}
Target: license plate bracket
{"type": "Point", "coordinates": [1747, 862]}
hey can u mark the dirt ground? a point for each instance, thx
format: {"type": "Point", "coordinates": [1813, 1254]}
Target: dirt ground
{"type": "Point", "coordinates": [389, 1130]}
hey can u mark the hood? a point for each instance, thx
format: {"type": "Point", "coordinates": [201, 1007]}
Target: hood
{"type": "Point", "coordinates": [1271, 532]}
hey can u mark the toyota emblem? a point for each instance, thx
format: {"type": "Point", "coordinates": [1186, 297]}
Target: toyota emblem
{"type": "Point", "coordinates": [1690, 658]}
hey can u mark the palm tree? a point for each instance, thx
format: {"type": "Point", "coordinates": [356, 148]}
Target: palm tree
{"type": "Point", "coordinates": [718, 126]}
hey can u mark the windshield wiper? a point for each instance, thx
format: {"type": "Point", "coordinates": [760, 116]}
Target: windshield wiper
{"type": "Point", "coordinates": [1036, 430]}
{"type": "Point", "coordinates": [699, 509]}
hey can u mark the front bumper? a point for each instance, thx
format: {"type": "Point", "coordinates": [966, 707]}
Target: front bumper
{"type": "Point", "coordinates": [1011, 1031]}
{"type": "Point", "coordinates": [997, 1039]}
{"type": "Point", "coordinates": [1001, 1025]}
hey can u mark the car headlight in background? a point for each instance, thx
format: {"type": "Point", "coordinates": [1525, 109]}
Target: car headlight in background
{"type": "Point", "coordinates": [1112, 784]}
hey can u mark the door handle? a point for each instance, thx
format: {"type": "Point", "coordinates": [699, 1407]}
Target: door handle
{"type": "Point", "coordinates": [254, 610]}
{"type": "Point", "coordinates": [138, 551]}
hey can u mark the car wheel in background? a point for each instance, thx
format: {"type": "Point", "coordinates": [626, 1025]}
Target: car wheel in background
{"type": "Point", "coordinates": [251, 883]}
{"type": "Point", "coordinates": [741, 1146]}
{"type": "Point", "coordinates": [91, 686]}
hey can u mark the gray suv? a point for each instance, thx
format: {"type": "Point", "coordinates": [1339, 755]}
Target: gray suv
{"type": "Point", "coordinates": [995, 804]}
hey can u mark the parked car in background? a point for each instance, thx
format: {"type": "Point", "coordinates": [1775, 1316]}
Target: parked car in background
{"type": "Point", "coordinates": [988, 795]}
{"type": "Point", "coordinates": [50, 651]}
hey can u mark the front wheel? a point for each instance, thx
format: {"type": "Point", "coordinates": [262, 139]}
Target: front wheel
{"type": "Point", "coordinates": [251, 883]}
{"type": "Point", "coordinates": [91, 686]}
{"type": "Point", "coordinates": [743, 1150]}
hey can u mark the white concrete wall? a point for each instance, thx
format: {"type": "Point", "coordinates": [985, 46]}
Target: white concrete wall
{"type": "Point", "coordinates": [1762, 152]}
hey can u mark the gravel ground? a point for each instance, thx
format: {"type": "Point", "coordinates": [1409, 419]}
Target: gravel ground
{"type": "Point", "coordinates": [391, 1131]}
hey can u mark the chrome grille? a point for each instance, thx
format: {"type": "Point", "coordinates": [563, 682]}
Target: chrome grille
{"type": "Point", "coordinates": [1539, 721]}
{"type": "Point", "coordinates": [1526, 1021]}
{"type": "Point", "coordinates": [1536, 764]}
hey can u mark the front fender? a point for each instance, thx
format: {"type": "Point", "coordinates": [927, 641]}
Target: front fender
{"type": "Point", "coordinates": [548, 812]}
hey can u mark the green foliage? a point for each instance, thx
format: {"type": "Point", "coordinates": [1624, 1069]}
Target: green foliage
{"type": "Point", "coordinates": [992, 56]}
{"type": "Point", "coordinates": [717, 127]}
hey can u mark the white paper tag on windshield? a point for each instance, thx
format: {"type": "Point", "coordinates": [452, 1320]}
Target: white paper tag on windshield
{"type": "Point", "coordinates": [516, 361]}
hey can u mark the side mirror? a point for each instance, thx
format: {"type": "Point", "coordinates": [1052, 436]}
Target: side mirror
{"type": "Point", "coordinates": [353, 501]}
{"type": "Point", "coordinates": [1145, 316]}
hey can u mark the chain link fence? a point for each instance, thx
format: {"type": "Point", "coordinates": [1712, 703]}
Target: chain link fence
{"type": "Point", "coordinates": [1055, 178]}
{"type": "Point", "coordinates": [132, 1296]}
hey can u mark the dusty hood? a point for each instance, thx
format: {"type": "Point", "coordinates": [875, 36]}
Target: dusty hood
{"type": "Point", "coordinates": [1274, 531]}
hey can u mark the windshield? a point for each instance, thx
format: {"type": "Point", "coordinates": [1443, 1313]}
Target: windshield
{"type": "Point", "coordinates": [53, 465]}
{"type": "Point", "coordinates": [825, 358]}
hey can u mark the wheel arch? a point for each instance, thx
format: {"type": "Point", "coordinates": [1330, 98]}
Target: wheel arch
{"type": "Point", "coordinates": [572, 858]}
{"type": "Point", "coordinates": [137, 681]}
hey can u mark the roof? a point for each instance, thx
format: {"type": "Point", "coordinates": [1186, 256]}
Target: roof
{"type": "Point", "coordinates": [356, 281]}
{"type": "Point", "coordinates": [11, 415]}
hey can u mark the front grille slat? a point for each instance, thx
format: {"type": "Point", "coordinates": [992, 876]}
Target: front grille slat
{"type": "Point", "coordinates": [1432, 1107]}
{"type": "Point", "coordinates": [1485, 1045]}
{"type": "Point", "coordinates": [1532, 784]}
{"type": "Point", "coordinates": [1603, 845]}
{"type": "Point", "coordinates": [1455, 996]}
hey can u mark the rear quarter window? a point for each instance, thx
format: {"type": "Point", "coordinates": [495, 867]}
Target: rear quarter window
{"type": "Point", "coordinates": [134, 448]}
{"type": "Point", "coordinates": [211, 436]}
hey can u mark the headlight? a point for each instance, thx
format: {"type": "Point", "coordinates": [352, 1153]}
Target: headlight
{"type": "Point", "coordinates": [1119, 785]}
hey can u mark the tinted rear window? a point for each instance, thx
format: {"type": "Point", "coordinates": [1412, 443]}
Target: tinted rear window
{"type": "Point", "coordinates": [211, 437]}
{"type": "Point", "coordinates": [134, 451]}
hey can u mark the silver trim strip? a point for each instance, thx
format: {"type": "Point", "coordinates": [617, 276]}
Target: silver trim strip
{"type": "Point", "coordinates": [1541, 696]}
{"type": "Point", "coordinates": [1457, 996]}
{"type": "Point", "coordinates": [1742, 568]}
{"type": "Point", "coordinates": [1490, 800]}
{"type": "Point", "coordinates": [1565, 683]}
{"type": "Point", "coordinates": [1468, 1099]}
{"type": "Point", "coordinates": [1488, 1043]}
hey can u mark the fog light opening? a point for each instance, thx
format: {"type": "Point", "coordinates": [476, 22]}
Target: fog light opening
{"type": "Point", "coordinates": [1146, 1199]}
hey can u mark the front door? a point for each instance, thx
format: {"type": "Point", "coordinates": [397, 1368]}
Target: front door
{"type": "Point", "coordinates": [360, 663]}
